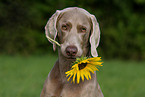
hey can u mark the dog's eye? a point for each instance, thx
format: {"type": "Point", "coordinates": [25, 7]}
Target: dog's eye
{"type": "Point", "coordinates": [64, 27]}
{"type": "Point", "coordinates": [83, 29]}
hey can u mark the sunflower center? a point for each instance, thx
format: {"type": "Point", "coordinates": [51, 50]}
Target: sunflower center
{"type": "Point", "coordinates": [82, 65]}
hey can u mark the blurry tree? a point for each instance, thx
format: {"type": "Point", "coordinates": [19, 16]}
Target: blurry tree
{"type": "Point", "coordinates": [121, 23]}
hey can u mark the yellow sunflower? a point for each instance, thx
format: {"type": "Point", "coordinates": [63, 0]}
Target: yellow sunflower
{"type": "Point", "coordinates": [83, 67]}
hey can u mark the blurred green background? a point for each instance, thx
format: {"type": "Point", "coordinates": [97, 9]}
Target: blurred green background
{"type": "Point", "coordinates": [26, 56]}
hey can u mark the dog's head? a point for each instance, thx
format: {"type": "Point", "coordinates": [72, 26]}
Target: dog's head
{"type": "Point", "coordinates": [76, 30]}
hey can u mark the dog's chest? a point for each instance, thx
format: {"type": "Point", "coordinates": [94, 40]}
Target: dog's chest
{"type": "Point", "coordinates": [88, 90]}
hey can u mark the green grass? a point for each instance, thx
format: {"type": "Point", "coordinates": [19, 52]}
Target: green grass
{"type": "Point", "coordinates": [24, 76]}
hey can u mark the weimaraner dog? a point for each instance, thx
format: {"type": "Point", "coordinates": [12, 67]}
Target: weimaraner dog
{"type": "Point", "coordinates": [78, 33]}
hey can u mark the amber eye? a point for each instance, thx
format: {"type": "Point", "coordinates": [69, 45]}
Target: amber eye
{"type": "Point", "coordinates": [83, 29]}
{"type": "Point", "coordinates": [64, 27]}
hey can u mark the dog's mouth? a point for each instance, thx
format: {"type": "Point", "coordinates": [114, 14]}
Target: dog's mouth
{"type": "Point", "coordinates": [71, 58]}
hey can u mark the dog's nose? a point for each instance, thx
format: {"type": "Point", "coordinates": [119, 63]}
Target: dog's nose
{"type": "Point", "coordinates": [71, 50]}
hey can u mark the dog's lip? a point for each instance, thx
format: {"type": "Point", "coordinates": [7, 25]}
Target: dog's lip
{"type": "Point", "coordinates": [71, 58]}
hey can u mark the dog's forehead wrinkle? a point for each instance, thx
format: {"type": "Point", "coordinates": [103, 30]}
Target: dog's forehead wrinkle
{"type": "Point", "coordinates": [75, 17]}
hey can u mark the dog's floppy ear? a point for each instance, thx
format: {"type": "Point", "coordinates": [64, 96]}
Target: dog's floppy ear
{"type": "Point", "coordinates": [50, 28]}
{"type": "Point", "coordinates": [95, 36]}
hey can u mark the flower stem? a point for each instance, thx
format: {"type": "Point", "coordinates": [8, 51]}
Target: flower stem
{"type": "Point", "coordinates": [53, 40]}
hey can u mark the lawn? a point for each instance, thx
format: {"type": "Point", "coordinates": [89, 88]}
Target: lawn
{"type": "Point", "coordinates": [24, 76]}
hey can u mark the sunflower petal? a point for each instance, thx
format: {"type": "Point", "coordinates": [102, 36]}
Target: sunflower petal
{"type": "Point", "coordinates": [86, 75]}
{"type": "Point", "coordinates": [94, 59]}
{"type": "Point", "coordinates": [90, 69]}
{"type": "Point", "coordinates": [68, 72]}
{"type": "Point", "coordinates": [96, 68]}
{"type": "Point", "coordinates": [82, 76]}
{"type": "Point", "coordinates": [69, 77]}
{"type": "Point", "coordinates": [74, 76]}
{"type": "Point", "coordinates": [74, 66]}
{"type": "Point", "coordinates": [89, 75]}
{"type": "Point", "coordinates": [78, 77]}
{"type": "Point", "coordinates": [96, 63]}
